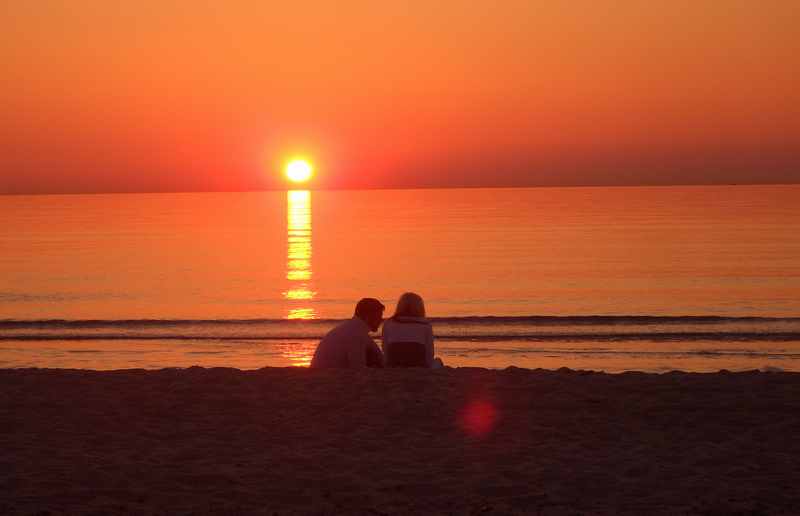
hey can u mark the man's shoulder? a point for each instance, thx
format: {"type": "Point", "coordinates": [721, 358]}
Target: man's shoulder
{"type": "Point", "coordinates": [349, 328]}
{"type": "Point", "coordinates": [342, 325]}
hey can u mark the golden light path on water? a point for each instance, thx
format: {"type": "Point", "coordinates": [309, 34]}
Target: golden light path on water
{"type": "Point", "coordinates": [298, 265]}
{"type": "Point", "coordinates": [298, 259]}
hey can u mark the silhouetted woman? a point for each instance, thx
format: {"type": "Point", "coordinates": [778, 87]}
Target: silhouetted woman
{"type": "Point", "coordinates": [408, 335]}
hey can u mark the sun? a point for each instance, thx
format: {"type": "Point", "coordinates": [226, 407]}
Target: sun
{"type": "Point", "coordinates": [299, 170]}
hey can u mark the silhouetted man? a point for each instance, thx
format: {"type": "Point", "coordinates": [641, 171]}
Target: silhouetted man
{"type": "Point", "coordinates": [349, 345]}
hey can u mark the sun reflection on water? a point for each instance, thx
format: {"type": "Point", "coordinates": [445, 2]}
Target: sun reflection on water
{"type": "Point", "coordinates": [298, 260]}
{"type": "Point", "coordinates": [298, 354]}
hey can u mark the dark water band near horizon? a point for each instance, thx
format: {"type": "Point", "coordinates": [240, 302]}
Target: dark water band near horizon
{"type": "Point", "coordinates": [254, 279]}
{"type": "Point", "coordinates": [608, 343]}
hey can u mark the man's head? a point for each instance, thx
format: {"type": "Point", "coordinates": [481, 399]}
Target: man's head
{"type": "Point", "coordinates": [370, 310]}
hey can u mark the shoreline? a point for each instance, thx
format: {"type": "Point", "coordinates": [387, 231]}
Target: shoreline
{"type": "Point", "coordinates": [614, 372]}
{"type": "Point", "coordinates": [457, 440]}
{"type": "Point", "coordinates": [612, 357]}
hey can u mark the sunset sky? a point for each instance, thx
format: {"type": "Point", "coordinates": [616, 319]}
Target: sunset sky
{"type": "Point", "coordinates": [159, 95]}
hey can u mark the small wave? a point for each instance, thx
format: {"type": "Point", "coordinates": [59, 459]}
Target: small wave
{"type": "Point", "coordinates": [621, 337]}
{"type": "Point", "coordinates": [602, 320]}
{"type": "Point", "coordinates": [152, 323]}
{"type": "Point", "coordinates": [545, 337]}
{"type": "Point", "coordinates": [555, 353]}
{"type": "Point", "coordinates": [117, 336]}
{"type": "Point", "coordinates": [484, 320]}
{"type": "Point", "coordinates": [61, 297]}
{"type": "Point", "coordinates": [476, 329]}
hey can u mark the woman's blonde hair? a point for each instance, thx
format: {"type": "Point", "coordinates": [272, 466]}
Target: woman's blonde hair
{"type": "Point", "coordinates": [410, 305]}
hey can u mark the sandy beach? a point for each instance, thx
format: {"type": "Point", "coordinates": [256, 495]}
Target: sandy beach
{"type": "Point", "coordinates": [453, 441]}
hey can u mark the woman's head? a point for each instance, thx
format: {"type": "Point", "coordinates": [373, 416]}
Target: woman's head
{"type": "Point", "coordinates": [410, 305]}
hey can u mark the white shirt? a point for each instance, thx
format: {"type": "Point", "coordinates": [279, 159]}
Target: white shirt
{"type": "Point", "coordinates": [348, 345]}
{"type": "Point", "coordinates": [409, 329]}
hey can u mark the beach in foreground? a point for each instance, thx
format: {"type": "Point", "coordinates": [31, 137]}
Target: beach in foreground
{"type": "Point", "coordinates": [224, 441]}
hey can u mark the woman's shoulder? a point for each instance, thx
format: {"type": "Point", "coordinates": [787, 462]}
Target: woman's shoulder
{"type": "Point", "coordinates": [408, 320]}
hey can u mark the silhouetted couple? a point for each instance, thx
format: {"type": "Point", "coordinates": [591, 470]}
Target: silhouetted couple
{"type": "Point", "coordinates": [407, 338]}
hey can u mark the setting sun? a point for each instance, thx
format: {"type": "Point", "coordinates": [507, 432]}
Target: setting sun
{"type": "Point", "coordinates": [299, 170]}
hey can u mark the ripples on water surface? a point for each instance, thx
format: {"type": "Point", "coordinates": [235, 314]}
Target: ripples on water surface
{"type": "Point", "coordinates": [220, 274]}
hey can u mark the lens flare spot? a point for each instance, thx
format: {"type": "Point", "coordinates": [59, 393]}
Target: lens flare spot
{"type": "Point", "coordinates": [478, 418]}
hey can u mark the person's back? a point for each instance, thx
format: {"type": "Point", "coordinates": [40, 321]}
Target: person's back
{"type": "Point", "coordinates": [408, 336]}
{"type": "Point", "coordinates": [402, 332]}
{"type": "Point", "coordinates": [349, 345]}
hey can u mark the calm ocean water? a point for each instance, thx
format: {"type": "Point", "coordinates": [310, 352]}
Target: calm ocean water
{"type": "Point", "coordinates": [693, 278]}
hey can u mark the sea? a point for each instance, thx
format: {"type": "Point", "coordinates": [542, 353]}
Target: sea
{"type": "Point", "coordinates": [615, 279]}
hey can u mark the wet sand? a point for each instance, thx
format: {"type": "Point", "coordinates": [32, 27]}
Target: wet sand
{"type": "Point", "coordinates": [461, 441]}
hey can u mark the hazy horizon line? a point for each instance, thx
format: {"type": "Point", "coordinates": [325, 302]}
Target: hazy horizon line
{"type": "Point", "coordinates": [431, 187]}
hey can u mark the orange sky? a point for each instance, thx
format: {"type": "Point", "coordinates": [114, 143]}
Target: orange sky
{"type": "Point", "coordinates": [159, 95]}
